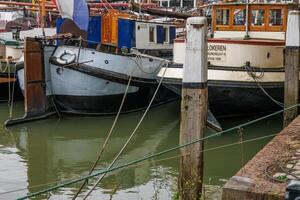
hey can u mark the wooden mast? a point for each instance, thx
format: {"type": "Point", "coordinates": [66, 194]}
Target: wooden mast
{"type": "Point", "coordinates": [43, 14]}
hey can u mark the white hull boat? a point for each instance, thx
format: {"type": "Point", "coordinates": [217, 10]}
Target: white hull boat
{"type": "Point", "coordinates": [96, 82]}
{"type": "Point", "coordinates": [245, 69]}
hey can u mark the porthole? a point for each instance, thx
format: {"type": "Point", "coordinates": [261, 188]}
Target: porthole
{"type": "Point", "coordinates": [59, 70]}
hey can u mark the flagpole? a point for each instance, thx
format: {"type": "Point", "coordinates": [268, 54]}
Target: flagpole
{"type": "Point", "coordinates": [43, 16]}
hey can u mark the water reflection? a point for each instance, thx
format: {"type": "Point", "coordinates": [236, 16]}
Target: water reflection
{"type": "Point", "coordinates": [55, 150]}
{"type": "Point", "coordinates": [58, 150]}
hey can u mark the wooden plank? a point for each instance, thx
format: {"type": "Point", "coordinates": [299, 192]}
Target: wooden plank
{"type": "Point", "coordinates": [6, 80]}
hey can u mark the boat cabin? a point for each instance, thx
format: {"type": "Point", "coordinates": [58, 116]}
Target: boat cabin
{"type": "Point", "coordinates": [264, 20]}
{"type": "Point", "coordinates": [124, 31]}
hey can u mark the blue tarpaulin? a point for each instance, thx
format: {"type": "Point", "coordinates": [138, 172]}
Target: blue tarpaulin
{"type": "Point", "coordinates": [160, 34]}
{"type": "Point", "coordinates": [126, 33]}
{"type": "Point", "coordinates": [172, 34]}
{"type": "Point", "coordinates": [94, 30]}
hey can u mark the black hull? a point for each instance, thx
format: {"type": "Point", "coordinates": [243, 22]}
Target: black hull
{"type": "Point", "coordinates": [109, 104]}
{"type": "Point", "coordinates": [4, 91]}
{"type": "Point", "coordinates": [240, 99]}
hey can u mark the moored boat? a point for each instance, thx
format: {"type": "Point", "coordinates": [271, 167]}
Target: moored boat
{"type": "Point", "coordinates": [88, 74]}
{"type": "Point", "coordinates": [245, 58]}
{"type": "Point", "coordinates": [12, 59]}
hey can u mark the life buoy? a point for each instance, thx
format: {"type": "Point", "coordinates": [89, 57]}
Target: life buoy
{"type": "Point", "coordinates": [63, 61]}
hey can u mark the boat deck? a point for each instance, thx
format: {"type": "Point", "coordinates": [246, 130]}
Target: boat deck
{"type": "Point", "coordinates": [6, 80]}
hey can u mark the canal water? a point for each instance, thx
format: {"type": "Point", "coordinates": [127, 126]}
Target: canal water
{"type": "Point", "coordinates": [40, 154]}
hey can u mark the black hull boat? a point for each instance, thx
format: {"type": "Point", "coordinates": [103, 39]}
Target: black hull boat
{"type": "Point", "coordinates": [231, 99]}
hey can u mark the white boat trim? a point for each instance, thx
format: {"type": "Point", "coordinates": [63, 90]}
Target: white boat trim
{"type": "Point", "coordinates": [227, 75]}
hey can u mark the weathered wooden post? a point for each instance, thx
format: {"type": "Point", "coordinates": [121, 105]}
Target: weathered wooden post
{"type": "Point", "coordinates": [193, 108]}
{"type": "Point", "coordinates": [292, 59]}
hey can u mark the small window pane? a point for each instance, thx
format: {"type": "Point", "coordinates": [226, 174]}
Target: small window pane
{"type": "Point", "coordinates": [151, 34]}
{"type": "Point", "coordinates": [275, 17]}
{"type": "Point", "coordinates": [222, 16]}
{"type": "Point", "coordinates": [258, 17]}
{"type": "Point", "coordinates": [239, 17]}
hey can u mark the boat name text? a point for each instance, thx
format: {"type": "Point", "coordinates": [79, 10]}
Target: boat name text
{"type": "Point", "coordinates": [216, 52]}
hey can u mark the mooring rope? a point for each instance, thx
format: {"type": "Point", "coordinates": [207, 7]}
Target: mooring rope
{"type": "Point", "coordinates": [132, 163]}
{"type": "Point", "coordinates": [13, 93]}
{"type": "Point", "coordinates": [2, 70]}
{"type": "Point", "coordinates": [253, 74]}
{"type": "Point", "coordinates": [139, 60]}
{"type": "Point", "coordinates": [140, 164]}
{"type": "Point", "coordinates": [156, 154]}
{"type": "Point", "coordinates": [132, 134]}
{"type": "Point", "coordinates": [9, 88]}
{"type": "Point", "coordinates": [107, 138]}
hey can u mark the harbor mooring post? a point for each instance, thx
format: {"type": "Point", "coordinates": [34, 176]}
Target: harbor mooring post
{"type": "Point", "coordinates": [292, 59]}
{"type": "Point", "coordinates": [193, 109]}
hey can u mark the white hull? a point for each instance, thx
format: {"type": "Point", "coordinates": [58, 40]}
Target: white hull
{"type": "Point", "coordinates": [236, 55]}
{"type": "Point", "coordinates": [227, 75]}
{"type": "Point", "coordinates": [128, 65]}
{"type": "Point", "coordinates": [80, 92]}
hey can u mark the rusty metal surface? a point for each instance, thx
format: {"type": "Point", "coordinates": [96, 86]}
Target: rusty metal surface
{"type": "Point", "coordinates": [35, 94]}
{"type": "Point", "coordinates": [69, 26]}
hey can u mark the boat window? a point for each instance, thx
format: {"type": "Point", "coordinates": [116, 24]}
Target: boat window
{"type": "Point", "coordinates": [239, 17]}
{"type": "Point", "coordinates": [258, 17]}
{"type": "Point", "coordinates": [222, 16]}
{"type": "Point", "coordinates": [151, 34]}
{"type": "Point", "coordinates": [166, 34]}
{"type": "Point", "coordinates": [275, 17]}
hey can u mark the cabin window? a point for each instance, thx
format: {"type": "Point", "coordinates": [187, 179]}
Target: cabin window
{"type": "Point", "coordinates": [151, 34]}
{"type": "Point", "coordinates": [222, 16]}
{"type": "Point", "coordinates": [258, 17]}
{"type": "Point", "coordinates": [239, 17]}
{"type": "Point", "coordinates": [275, 17]}
{"type": "Point", "coordinates": [166, 34]}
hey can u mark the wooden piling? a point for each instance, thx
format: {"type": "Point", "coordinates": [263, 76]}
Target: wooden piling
{"type": "Point", "coordinates": [193, 108]}
{"type": "Point", "coordinates": [292, 60]}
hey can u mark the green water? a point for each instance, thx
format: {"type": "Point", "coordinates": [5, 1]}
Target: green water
{"type": "Point", "coordinates": [51, 150]}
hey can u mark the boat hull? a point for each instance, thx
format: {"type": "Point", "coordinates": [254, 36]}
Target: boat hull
{"type": "Point", "coordinates": [227, 99]}
{"type": "Point", "coordinates": [13, 89]}
{"type": "Point", "coordinates": [236, 92]}
{"type": "Point", "coordinates": [109, 104]}
{"type": "Point", "coordinates": [92, 90]}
